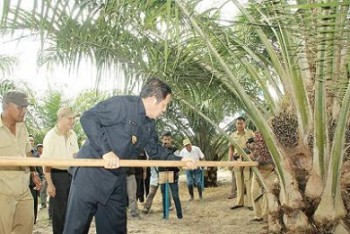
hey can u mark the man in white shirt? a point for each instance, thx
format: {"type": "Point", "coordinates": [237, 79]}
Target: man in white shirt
{"type": "Point", "coordinates": [193, 176]}
{"type": "Point", "coordinates": [60, 142]}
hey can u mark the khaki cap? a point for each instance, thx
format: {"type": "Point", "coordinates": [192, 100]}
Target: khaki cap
{"type": "Point", "coordinates": [186, 142]}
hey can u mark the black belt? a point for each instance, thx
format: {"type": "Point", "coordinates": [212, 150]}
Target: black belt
{"type": "Point", "coordinates": [54, 170]}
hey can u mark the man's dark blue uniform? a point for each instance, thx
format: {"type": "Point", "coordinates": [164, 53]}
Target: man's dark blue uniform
{"type": "Point", "coordinates": [118, 124]}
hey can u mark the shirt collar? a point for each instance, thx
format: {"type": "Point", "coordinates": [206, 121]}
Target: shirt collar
{"type": "Point", "coordinates": [58, 132]}
{"type": "Point", "coordinates": [245, 131]}
{"type": "Point", "coordinates": [141, 107]}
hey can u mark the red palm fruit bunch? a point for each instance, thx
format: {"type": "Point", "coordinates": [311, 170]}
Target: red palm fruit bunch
{"type": "Point", "coordinates": [260, 152]}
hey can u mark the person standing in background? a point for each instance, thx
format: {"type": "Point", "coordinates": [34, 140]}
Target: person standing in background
{"type": "Point", "coordinates": [60, 142]}
{"type": "Point", "coordinates": [146, 179]}
{"type": "Point", "coordinates": [172, 177]}
{"type": "Point", "coordinates": [16, 201]}
{"type": "Point", "coordinates": [193, 177]}
{"type": "Point", "coordinates": [243, 175]}
{"type": "Point", "coordinates": [43, 190]}
{"type": "Point", "coordinates": [142, 175]}
{"type": "Point", "coordinates": [131, 190]}
{"type": "Point", "coordinates": [152, 191]}
{"type": "Point", "coordinates": [39, 170]}
{"type": "Point", "coordinates": [261, 154]}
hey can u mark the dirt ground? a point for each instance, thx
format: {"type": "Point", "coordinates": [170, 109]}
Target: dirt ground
{"type": "Point", "coordinates": [212, 215]}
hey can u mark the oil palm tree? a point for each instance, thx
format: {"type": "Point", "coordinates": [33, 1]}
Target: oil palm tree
{"type": "Point", "coordinates": [7, 64]}
{"type": "Point", "coordinates": [136, 43]}
{"type": "Point", "coordinates": [307, 58]}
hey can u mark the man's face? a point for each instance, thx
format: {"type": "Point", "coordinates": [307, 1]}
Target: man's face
{"type": "Point", "coordinates": [67, 123]}
{"type": "Point", "coordinates": [188, 147]}
{"type": "Point", "coordinates": [31, 141]}
{"type": "Point", "coordinates": [40, 150]}
{"type": "Point", "coordinates": [167, 141]}
{"type": "Point", "coordinates": [16, 112]}
{"type": "Point", "coordinates": [156, 109]}
{"type": "Point", "coordinates": [240, 125]}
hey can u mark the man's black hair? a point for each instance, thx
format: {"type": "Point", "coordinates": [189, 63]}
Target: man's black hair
{"type": "Point", "coordinates": [241, 118]}
{"type": "Point", "coordinates": [166, 134]}
{"type": "Point", "coordinates": [155, 88]}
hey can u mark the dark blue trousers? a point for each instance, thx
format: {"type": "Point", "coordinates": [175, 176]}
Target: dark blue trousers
{"type": "Point", "coordinates": [110, 217]}
{"type": "Point", "coordinates": [174, 188]}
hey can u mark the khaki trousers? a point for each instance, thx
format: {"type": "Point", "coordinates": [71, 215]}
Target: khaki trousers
{"type": "Point", "coordinates": [152, 193]}
{"type": "Point", "coordinates": [17, 214]}
{"type": "Point", "coordinates": [131, 190]}
{"type": "Point", "coordinates": [259, 196]}
{"type": "Point", "coordinates": [243, 180]}
{"type": "Point", "coordinates": [234, 186]}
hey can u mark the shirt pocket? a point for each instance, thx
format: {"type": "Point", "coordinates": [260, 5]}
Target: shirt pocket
{"type": "Point", "coordinates": [6, 144]}
{"type": "Point", "coordinates": [235, 138]}
{"type": "Point", "coordinates": [130, 130]}
{"type": "Point", "coordinates": [127, 138]}
{"type": "Point", "coordinates": [73, 147]}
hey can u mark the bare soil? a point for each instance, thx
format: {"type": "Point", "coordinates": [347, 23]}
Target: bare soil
{"type": "Point", "coordinates": [212, 215]}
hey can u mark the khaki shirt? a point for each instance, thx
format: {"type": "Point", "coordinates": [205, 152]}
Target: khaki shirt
{"type": "Point", "coordinates": [58, 145]}
{"type": "Point", "coordinates": [241, 140]}
{"type": "Point", "coordinates": [14, 180]}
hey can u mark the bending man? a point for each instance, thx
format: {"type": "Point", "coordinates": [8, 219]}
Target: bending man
{"type": "Point", "coordinates": [120, 127]}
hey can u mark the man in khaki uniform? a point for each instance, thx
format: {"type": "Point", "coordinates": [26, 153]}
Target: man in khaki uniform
{"type": "Point", "coordinates": [16, 201]}
{"type": "Point", "coordinates": [60, 142]}
{"type": "Point", "coordinates": [259, 196]}
{"type": "Point", "coordinates": [242, 174]}
{"type": "Point", "coordinates": [266, 167]}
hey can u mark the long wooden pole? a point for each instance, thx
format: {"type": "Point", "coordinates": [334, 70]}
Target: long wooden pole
{"type": "Point", "coordinates": [20, 161]}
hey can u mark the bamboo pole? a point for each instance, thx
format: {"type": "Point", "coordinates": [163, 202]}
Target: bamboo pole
{"type": "Point", "coordinates": [20, 161]}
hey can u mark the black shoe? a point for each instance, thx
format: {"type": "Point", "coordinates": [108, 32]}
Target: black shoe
{"type": "Point", "coordinates": [256, 219]}
{"type": "Point", "coordinates": [236, 207]}
{"type": "Point", "coordinates": [137, 216]}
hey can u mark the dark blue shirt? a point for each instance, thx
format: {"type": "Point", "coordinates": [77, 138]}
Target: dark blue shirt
{"type": "Point", "coordinates": [118, 124]}
{"type": "Point", "coordinates": [176, 170]}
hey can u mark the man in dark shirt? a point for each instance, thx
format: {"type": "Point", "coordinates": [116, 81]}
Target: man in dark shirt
{"type": "Point", "coordinates": [173, 172]}
{"type": "Point", "coordinates": [39, 170]}
{"type": "Point", "coordinates": [117, 128]}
